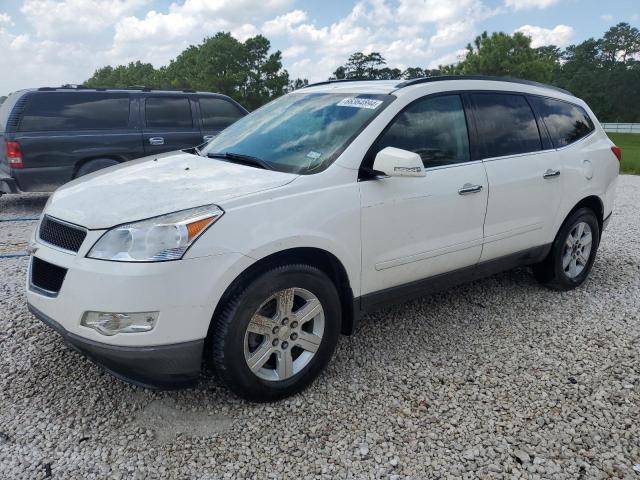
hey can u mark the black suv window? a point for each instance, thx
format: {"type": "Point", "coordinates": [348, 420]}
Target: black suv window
{"type": "Point", "coordinates": [217, 113]}
{"type": "Point", "coordinates": [435, 128]}
{"type": "Point", "coordinates": [168, 112]}
{"type": "Point", "coordinates": [75, 111]}
{"type": "Point", "coordinates": [506, 124]}
{"type": "Point", "coordinates": [566, 122]}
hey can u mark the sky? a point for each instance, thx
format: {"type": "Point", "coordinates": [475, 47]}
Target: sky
{"type": "Point", "coordinates": [54, 42]}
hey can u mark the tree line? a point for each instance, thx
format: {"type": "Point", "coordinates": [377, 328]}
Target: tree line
{"type": "Point", "coordinates": [245, 71]}
{"type": "Point", "coordinates": [605, 72]}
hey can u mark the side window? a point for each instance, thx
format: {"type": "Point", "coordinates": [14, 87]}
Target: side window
{"type": "Point", "coordinates": [168, 112]}
{"type": "Point", "coordinates": [435, 128]}
{"type": "Point", "coordinates": [566, 122]}
{"type": "Point", "coordinates": [506, 124]}
{"type": "Point", "coordinates": [54, 111]}
{"type": "Point", "coordinates": [217, 113]}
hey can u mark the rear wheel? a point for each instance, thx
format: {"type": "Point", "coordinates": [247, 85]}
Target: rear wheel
{"type": "Point", "coordinates": [95, 165]}
{"type": "Point", "coordinates": [573, 252]}
{"type": "Point", "coordinates": [274, 337]}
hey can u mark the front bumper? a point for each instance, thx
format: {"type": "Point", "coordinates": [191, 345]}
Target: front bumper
{"type": "Point", "coordinates": [184, 292]}
{"type": "Point", "coordinates": [162, 366]}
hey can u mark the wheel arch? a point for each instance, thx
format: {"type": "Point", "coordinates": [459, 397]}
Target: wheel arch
{"type": "Point", "coordinates": [80, 163]}
{"type": "Point", "coordinates": [323, 260]}
{"type": "Point", "coordinates": [592, 202]}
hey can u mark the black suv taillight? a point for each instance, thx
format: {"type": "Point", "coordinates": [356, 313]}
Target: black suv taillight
{"type": "Point", "coordinates": [13, 154]}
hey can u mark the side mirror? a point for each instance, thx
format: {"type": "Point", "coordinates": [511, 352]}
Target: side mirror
{"type": "Point", "coordinates": [395, 162]}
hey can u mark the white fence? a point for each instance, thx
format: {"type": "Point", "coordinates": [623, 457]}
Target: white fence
{"type": "Point", "coordinates": [621, 127]}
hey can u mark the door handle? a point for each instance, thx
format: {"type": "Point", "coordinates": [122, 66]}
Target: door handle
{"type": "Point", "coordinates": [551, 173]}
{"type": "Point", "coordinates": [206, 138]}
{"type": "Point", "coordinates": [468, 188]}
{"type": "Point", "coordinates": [156, 141]}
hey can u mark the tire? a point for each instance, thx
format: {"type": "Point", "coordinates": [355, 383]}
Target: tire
{"type": "Point", "coordinates": [253, 326]}
{"type": "Point", "coordinates": [95, 165]}
{"type": "Point", "coordinates": [571, 243]}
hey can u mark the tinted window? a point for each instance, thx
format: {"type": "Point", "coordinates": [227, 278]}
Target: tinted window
{"type": "Point", "coordinates": [434, 128]}
{"type": "Point", "coordinates": [217, 113]}
{"type": "Point", "coordinates": [75, 111]}
{"type": "Point", "coordinates": [506, 124]}
{"type": "Point", "coordinates": [168, 112]}
{"type": "Point", "coordinates": [566, 122]}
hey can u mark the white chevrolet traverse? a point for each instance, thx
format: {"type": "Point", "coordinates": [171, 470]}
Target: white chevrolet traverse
{"type": "Point", "coordinates": [257, 250]}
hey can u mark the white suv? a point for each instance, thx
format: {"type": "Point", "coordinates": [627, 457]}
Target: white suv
{"type": "Point", "coordinates": [256, 251]}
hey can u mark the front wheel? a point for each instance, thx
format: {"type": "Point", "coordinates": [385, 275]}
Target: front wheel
{"type": "Point", "coordinates": [274, 337]}
{"type": "Point", "coordinates": [572, 254]}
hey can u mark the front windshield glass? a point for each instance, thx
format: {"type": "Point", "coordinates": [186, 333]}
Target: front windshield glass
{"type": "Point", "coordinates": [299, 133]}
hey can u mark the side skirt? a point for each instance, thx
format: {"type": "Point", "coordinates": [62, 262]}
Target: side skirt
{"type": "Point", "coordinates": [419, 288]}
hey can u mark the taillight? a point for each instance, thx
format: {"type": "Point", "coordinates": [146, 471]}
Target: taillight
{"type": "Point", "coordinates": [14, 154]}
{"type": "Point", "coordinates": [617, 151]}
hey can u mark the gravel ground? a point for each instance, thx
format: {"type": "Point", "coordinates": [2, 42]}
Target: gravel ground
{"type": "Point", "coordinates": [497, 379]}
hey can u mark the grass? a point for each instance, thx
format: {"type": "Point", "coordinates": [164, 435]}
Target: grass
{"type": "Point", "coordinates": [630, 145]}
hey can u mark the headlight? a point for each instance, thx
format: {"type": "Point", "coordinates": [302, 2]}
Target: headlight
{"type": "Point", "coordinates": [157, 239]}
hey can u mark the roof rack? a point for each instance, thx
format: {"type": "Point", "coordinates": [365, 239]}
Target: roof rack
{"type": "Point", "coordinates": [443, 78]}
{"type": "Point", "coordinates": [416, 81]}
{"type": "Point", "coordinates": [139, 88]}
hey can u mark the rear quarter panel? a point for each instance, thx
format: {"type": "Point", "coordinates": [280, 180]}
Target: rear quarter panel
{"type": "Point", "coordinates": [589, 168]}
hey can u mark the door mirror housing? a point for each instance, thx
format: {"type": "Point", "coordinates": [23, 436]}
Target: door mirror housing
{"type": "Point", "coordinates": [395, 162]}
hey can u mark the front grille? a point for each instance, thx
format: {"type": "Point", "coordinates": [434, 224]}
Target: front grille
{"type": "Point", "coordinates": [60, 234]}
{"type": "Point", "coordinates": [47, 276]}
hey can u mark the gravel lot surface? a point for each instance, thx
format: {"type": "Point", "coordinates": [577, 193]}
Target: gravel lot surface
{"type": "Point", "coordinates": [496, 379]}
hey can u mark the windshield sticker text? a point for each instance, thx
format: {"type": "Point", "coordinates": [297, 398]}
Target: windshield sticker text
{"type": "Point", "coordinates": [369, 103]}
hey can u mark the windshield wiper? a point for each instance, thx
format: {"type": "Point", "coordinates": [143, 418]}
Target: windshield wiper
{"type": "Point", "coordinates": [244, 159]}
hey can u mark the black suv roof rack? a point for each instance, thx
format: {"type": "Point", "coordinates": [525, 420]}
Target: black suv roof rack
{"type": "Point", "coordinates": [443, 78]}
{"type": "Point", "coordinates": [139, 88]}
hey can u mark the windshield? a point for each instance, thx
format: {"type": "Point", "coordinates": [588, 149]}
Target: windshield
{"type": "Point", "coordinates": [300, 133]}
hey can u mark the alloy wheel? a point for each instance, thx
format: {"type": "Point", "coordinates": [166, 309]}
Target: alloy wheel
{"type": "Point", "coordinates": [577, 250]}
{"type": "Point", "coordinates": [284, 334]}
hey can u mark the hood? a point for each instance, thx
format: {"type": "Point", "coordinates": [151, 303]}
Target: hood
{"type": "Point", "coordinates": [157, 185]}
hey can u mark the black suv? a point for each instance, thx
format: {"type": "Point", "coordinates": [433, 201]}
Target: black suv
{"type": "Point", "coordinates": [49, 136]}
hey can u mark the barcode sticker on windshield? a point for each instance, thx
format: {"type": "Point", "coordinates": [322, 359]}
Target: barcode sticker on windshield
{"type": "Point", "coordinates": [369, 103]}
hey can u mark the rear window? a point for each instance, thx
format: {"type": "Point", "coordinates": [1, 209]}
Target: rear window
{"type": "Point", "coordinates": [55, 111]}
{"type": "Point", "coordinates": [565, 121]}
{"type": "Point", "coordinates": [168, 112]}
{"type": "Point", "coordinates": [506, 124]}
{"type": "Point", "coordinates": [217, 113]}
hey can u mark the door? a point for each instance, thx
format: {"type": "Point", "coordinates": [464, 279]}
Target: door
{"type": "Point", "coordinates": [169, 124]}
{"type": "Point", "coordinates": [524, 175]}
{"type": "Point", "coordinates": [217, 114]}
{"type": "Point", "coordinates": [413, 228]}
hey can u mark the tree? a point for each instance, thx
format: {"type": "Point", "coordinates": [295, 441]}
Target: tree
{"type": "Point", "coordinates": [501, 54]}
{"type": "Point", "coordinates": [133, 74]}
{"type": "Point", "coordinates": [297, 84]}
{"type": "Point", "coordinates": [620, 44]}
{"type": "Point", "coordinates": [361, 66]}
{"type": "Point", "coordinates": [605, 73]}
{"type": "Point", "coordinates": [2, 99]}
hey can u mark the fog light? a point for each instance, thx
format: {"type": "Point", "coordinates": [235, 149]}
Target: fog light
{"type": "Point", "coordinates": [108, 323]}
